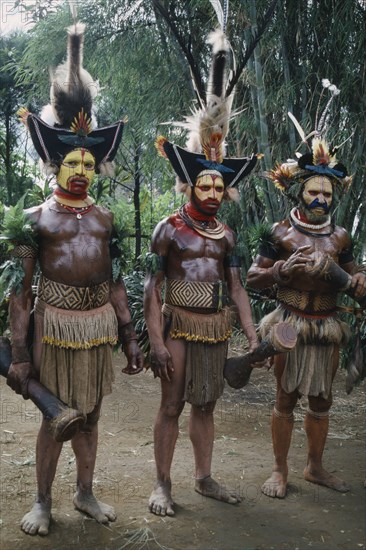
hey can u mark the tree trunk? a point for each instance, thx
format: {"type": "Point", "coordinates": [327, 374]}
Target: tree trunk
{"type": "Point", "coordinates": [271, 202]}
{"type": "Point", "coordinates": [136, 202]}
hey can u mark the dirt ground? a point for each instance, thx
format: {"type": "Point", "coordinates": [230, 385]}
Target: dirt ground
{"type": "Point", "coordinates": [310, 517]}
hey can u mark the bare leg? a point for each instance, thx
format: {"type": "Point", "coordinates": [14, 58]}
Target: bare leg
{"type": "Point", "coordinates": [316, 428]}
{"type": "Point", "coordinates": [166, 431]}
{"type": "Point", "coordinates": [47, 454]}
{"type": "Point", "coordinates": [282, 425]}
{"type": "Point", "coordinates": [84, 445]}
{"type": "Point", "coordinates": [201, 431]}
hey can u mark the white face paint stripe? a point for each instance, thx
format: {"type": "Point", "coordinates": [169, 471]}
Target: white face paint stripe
{"type": "Point", "coordinates": [188, 179]}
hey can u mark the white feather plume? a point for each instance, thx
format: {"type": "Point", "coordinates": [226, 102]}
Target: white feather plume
{"type": "Point", "coordinates": [216, 4]}
{"type": "Point", "coordinates": [297, 126]}
{"type": "Point", "coordinates": [73, 5]}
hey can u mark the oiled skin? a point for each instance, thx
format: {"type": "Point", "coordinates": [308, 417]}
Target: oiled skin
{"type": "Point", "coordinates": [298, 250]}
{"type": "Point", "coordinates": [189, 257]}
{"type": "Point", "coordinates": [73, 252]}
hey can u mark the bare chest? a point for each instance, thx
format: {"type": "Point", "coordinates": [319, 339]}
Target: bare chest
{"type": "Point", "coordinates": [324, 244]}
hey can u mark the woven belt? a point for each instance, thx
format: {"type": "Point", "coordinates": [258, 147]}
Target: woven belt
{"type": "Point", "coordinates": [309, 302]}
{"type": "Point", "coordinates": [81, 298]}
{"type": "Point", "coordinates": [196, 294]}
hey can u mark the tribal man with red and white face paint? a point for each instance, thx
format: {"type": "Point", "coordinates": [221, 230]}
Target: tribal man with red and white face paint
{"type": "Point", "coordinates": [208, 192]}
{"type": "Point", "coordinates": [192, 255]}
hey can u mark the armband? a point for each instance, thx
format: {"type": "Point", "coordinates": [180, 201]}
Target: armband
{"type": "Point", "coordinates": [24, 251]}
{"type": "Point", "coordinates": [231, 260]}
{"type": "Point", "coordinates": [267, 251]}
{"type": "Point", "coordinates": [114, 249]}
{"type": "Point", "coordinates": [154, 263]}
{"type": "Point", "coordinates": [345, 257]}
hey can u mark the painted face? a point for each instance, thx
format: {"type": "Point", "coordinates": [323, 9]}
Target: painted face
{"type": "Point", "coordinates": [77, 171]}
{"type": "Point", "coordinates": [317, 195]}
{"type": "Point", "coordinates": [208, 192]}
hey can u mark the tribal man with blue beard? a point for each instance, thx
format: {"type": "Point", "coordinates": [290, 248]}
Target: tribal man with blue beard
{"type": "Point", "coordinates": [290, 262]}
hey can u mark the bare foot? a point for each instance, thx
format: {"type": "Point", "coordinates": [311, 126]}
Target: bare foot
{"type": "Point", "coordinates": [208, 487]}
{"type": "Point", "coordinates": [37, 520]}
{"type": "Point", "coordinates": [160, 502]}
{"type": "Point", "coordinates": [90, 505]}
{"type": "Point", "coordinates": [275, 486]}
{"type": "Point", "coordinates": [322, 477]}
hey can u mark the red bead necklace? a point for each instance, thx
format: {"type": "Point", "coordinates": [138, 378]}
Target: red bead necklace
{"type": "Point", "coordinates": [80, 212]}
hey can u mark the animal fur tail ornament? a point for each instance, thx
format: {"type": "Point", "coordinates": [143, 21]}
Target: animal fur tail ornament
{"type": "Point", "coordinates": [208, 127]}
{"type": "Point", "coordinates": [72, 87]}
{"type": "Point", "coordinates": [68, 122]}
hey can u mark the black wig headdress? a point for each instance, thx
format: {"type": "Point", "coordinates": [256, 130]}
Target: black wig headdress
{"type": "Point", "coordinates": [69, 122]}
{"type": "Point", "coordinates": [208, 127]}
{"type": "Point", "coordinates": [319, 160]}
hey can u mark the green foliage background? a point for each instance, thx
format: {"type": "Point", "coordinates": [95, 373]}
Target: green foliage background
{"type": "Point", "coordinates": [141, 59]}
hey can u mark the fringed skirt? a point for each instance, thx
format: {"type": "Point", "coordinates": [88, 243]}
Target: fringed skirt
{"type": "Point", "coordinates": [76, 356]}
{"type": "Point", "coordinates": [206, 337]}
{"type": "Point", "coordinates": [309, 366]}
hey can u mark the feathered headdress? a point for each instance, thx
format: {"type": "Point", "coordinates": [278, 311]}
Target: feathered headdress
{"type": "Point", "coordinates": [208, 127]}
{"type": "Point", "coordinates": [320, 160]}
{"type": "Point", "coordinates": [68, 121]}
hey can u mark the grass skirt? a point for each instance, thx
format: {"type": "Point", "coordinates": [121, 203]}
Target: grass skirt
{"type": "Point", "coordinates": [76, 358]}
{"type": "Point", "coordinates": [309, 366]}
{"type": "Point", "coordinates": [206, 337]}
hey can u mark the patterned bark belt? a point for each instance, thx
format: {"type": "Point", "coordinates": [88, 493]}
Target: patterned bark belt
{"type": "Point", "coordinates": [81, 298]}
{"type": "Point", "coordinates": [196, 294]}
{"type": "Point", "coordinates": [308, 302]}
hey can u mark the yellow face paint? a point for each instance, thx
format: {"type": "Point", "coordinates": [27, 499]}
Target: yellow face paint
{"type": "Point", "coordinates": [318, 192]}
{"type": "Point", "coordinates": [209, 188]}
{"type": "Point", "coordinates": [77, 171]}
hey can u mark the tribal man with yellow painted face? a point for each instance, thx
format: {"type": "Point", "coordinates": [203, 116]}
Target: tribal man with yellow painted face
{"type": "Point", "coordinates": [76, 172]}
{"type": "Point", "coordinates": [316, 198]}
{"type": "Point", "coordinates": [81, 311]}
{"type": "Point", "coordinates": [208, 192]}
{"type": "Point", "coordinates": [305, 260]}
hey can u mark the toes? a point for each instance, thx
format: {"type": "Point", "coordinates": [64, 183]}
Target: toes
{"type": "Point", "coordinates": [274, 490]}
{"type": "Point", "coordinates": [31, 527]}
{"type": "Point", "coordinates": [160, 510]}
{"type": "Point", "coordinates": [107, 511]}
{"type": "Point", "coordinates": [102, 519]}
{"type": "Point", "coordinates": [43, 530]}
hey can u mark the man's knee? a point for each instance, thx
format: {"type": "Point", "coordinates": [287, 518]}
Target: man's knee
{"type": "Point", "coordinates": [172, 409]}
{"type": "Point", "coordinates": [285, 402]}
{"type": "Point", "coordinates": [92, 419]}
{"type": "Point", "coordinates": [206, 409]}
{"type": "Point", "coordinates": [319, 405]}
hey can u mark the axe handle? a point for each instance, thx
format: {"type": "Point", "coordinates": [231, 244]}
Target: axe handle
{"type": "Point", "coordinates": [64, 421]}
{"type": "Point", "coordinates": [340, 279]}
{"type": "Point", "coordinates": [263, 351]}
{"type": "Point", "coordinates": [281, 338]}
